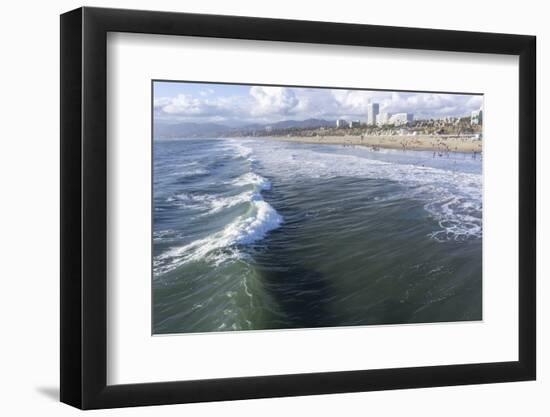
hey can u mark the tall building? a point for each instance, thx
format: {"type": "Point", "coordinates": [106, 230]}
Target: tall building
{"type": "Point", "coordinates": [477, 117]}
{"type": "Point", "coordinates": [354, 123]}
{"type": "Point", "coordinates": [382, 118]}
{"type": "Point", "coordinates": [372, 111]}
{"type": "Point", "coordinates": [400, 119]}
{"type": "Point", "coordinates": [341, 123]}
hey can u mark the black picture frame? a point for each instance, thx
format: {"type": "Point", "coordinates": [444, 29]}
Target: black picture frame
{"type": "Point", "coordinates": [84, 207]}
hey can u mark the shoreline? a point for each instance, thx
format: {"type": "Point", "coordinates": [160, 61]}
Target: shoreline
{"type": "Point", "coordinates": [440, 144]}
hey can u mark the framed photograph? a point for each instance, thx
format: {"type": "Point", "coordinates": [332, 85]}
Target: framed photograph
{"type": "Point", "coordinates": [256, 208]}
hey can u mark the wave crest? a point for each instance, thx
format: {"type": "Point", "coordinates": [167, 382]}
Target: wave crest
{"type": "Point", "coordinates": [244, 230]}
{"type": "Point", "coordinates": [452, 198]}
{"type": "Point", "coordinates": [251, 178]}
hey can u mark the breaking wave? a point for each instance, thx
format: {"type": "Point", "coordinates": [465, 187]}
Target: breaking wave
{"type": "Point", "coordinates": [452, 198]}
{"type": "Point", "coordinates": [245, 229]}
{"type": "Point", "coordinates": [258, 219]}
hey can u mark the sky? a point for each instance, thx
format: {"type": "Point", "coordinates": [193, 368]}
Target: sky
{"type": "Point", "coordinates": [236, 104]}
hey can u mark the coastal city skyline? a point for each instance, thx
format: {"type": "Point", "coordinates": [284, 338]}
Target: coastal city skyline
{"type": "Point", "coordinates": [287, 208]}
{"type": "Point", "coordinates": [234, 104]}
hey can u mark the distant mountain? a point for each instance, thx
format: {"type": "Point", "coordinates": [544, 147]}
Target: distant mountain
{"type": "Point", "coordinates": [192, 130]}
{"type": "Point", "coordinates": [302, 124]}
{"type": "Point", "coordinates": [188, 130]}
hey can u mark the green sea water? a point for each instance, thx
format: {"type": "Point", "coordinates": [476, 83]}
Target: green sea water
{"type": "Point", "coordinates": [262, 234]}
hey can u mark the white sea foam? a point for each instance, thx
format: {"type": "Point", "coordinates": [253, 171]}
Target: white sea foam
{"type": "Point", "coordinates": [241, 150]}
{"type": "Point", "coordinates": [251, 178]}
{"type": "Point", "coordinates": [163, 235]}
{"type": "Point", "coordinates": [221, 203]}
{"type": "Point", "coordinates": [191, 172]}
{"type": "Point", "coordinates": [245, 229]}
{"type": "Point", "coordinates": [452, 198]}
{"type": "Point", "coordinates": [189, 201]}
{"type": "Point", "coordinates": [215, 203]}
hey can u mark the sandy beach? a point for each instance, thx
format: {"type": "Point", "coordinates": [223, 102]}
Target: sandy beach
{"type": "Point", "coordinates": [420, 142]}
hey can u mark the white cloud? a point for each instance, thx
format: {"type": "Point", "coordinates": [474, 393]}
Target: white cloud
{"type": "Point", "coordinates": [160, 102]}
{"type": "Point", "coordinates": [185, 104]}
{"type": "Point", "coordinates": [353, 101]}
{"type": "Point", "coordinates": [269, 104]}
{"type": "Point", "coordinates": [206, 92]}
{"type": "Point", "coordinates": [273, 100]}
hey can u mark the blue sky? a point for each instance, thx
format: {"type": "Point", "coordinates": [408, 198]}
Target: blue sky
{"type": "Point", "coordinates": [243, 104]}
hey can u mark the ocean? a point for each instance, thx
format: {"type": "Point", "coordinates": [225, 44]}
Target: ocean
{"type": "Point", "coordinates": [258, 234]}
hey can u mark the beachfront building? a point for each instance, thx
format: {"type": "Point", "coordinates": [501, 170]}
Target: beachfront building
{"type": "Point", "coordinates": [372, 111]}
{"type": "Point", "coordinates": [400, 119]}
{"type": "Point", "coordinates": [382, 118]}
{"type": "Point", "coordinates": [477, 117]}
{"type": "Point", "coordinates": [340, 123]}
{"type": "Point", "coordinates": [354, 123]}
